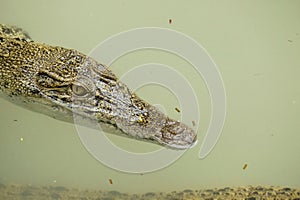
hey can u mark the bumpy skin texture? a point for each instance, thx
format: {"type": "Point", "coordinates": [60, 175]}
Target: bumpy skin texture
{"type": "Point", "coordinates": [60, 82]}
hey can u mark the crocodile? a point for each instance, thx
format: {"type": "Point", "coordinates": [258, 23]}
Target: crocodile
{"type": "Point", "coordinates": [63, 83]}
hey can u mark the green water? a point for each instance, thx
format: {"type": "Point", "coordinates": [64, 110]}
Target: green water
{"type": "Point", "coordinates": [256, 48]}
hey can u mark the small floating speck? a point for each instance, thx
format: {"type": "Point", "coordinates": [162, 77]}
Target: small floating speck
{"type": "Point", "coordinates": [194, 123]}
{"type": "Point", "coordinates": [177, 109]}
{"type": "Point", "coordinates": [170, 21]}
{"type": "Point", "coordinates": [21, 139]}
{"type": "Point", "coordinates": [245, 166]}
{"type": "Point", "coordinates": [290, 40]}
{"type": "Point", "coordinates": [15, 120]}
{"type": "Point", "coordinates": [110, 181]}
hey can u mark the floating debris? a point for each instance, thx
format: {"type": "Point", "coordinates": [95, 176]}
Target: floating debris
{"type": "Point", "coordinates": [177, 109]}
{"type": "Point", "coordinates": [245, 166]}
{"type": "Point", "coordinates": [170, 21]}
{"type": "Point", "coordinates": [194, 123]}
{"type": "Point", "coordinates": [110, 181]}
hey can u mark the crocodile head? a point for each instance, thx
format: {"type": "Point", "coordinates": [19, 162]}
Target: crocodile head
{"type": "Point", "coordinates": [94, 94]}
{"type": "Point", "coordinates": [62, 82]}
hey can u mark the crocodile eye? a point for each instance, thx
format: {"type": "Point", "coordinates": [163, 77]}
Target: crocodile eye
{"type": "Point", "coordinates": [79, 90]}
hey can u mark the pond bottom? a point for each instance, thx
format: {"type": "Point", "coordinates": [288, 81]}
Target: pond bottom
{"type": "Point", "coordinates": [18, 192]}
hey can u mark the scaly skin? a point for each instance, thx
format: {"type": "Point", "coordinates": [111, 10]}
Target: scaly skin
{"type": "Point", "coordinates": [61, 82]}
